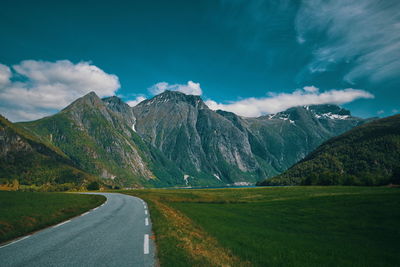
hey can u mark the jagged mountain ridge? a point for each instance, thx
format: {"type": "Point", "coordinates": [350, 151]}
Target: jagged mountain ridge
{"type": "Point", "coordinates": [231, 148]}
{"type": "Point", "coordinates": [175, 139]}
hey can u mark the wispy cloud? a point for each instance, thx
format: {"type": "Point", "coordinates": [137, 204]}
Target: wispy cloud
{"type": "Point", "coordinates": [191, 88]}
{"type": "Point", "coordinates": [309, 95]}
{"type": "Point", "coordinates": [364, 34]}
{"type": "Point", "coordinates": [33, 89]}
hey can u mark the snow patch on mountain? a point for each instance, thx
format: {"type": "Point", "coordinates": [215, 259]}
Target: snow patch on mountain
{"type": "Point", "coordinates": [332, 116]}
{"type": "Point", "coordinates": [186, 177]}
{"type": "Point", "coordinates": [216, 176]}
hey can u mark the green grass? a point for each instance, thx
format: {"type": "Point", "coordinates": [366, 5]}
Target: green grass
{"type": "Point", "coordinates": [290, 226]}
{"type": "Point", "coordinates": [25, 212]}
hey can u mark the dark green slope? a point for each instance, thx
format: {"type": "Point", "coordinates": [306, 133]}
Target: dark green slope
{"type": "Point", "coordinates": [366, 155]}
{"type": "Point", "coordinates": [26, 158]}
{"type": "Point", "coordinates": [99, 141]}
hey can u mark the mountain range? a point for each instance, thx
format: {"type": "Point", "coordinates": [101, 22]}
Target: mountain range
{"type": "Point", "coordinates": [174, 139]}
{"type": "Point", "coordinates": [366, 155]}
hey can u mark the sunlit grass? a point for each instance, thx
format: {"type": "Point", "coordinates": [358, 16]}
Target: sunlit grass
{"type": "Point", "coordinates": [286, 226]}
{"type": "Point", "coordinates": [25, 212]}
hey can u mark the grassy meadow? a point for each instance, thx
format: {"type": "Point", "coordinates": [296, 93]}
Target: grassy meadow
{"type": "Point", "coordinates": [25, 212]}
{"type": "Point", "coordinates": [276, 226]}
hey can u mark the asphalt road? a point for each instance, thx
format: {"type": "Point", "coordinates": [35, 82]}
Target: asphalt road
{"type": "Point", "coordinates": [114, 234]}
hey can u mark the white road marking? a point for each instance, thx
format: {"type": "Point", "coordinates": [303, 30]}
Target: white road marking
{"type": "Point", "coordinates": [95, 208]}
{"type": "Point", "coordinates": [84, 213]}
{"type": "Point", "coordinates": [146, 244]}
{"type": "Point", "coordinates": [55, 226]}
{"type": "Point", "coordinates": [16, 241]}
{"type": "Point", "coordinates": [145, 212]}
{"type": "Point", "coordinates": [146, 221]}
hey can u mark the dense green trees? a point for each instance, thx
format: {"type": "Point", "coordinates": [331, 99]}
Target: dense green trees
{"type": "Point", "coordinates": [93, 186]}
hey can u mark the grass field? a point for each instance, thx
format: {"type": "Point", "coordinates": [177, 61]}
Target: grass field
{"type": "Point", "coordinates": [281, 226]}
{"type": "Point", "coordinates": [25, 212]}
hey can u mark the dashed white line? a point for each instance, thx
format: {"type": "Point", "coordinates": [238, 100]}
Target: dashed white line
{"type": "Point", "coordinates": [95, 208]}
{"type": "Point", "coordinates": [146, 221]}
{"type": "Point", "coordinates": [145, 212]}
{"type": "Point", "coordinates": [55, 226]}
{"type": "Point", "coordinates": [85, 213]}
{"type": "Point", "coordinates": [146, 244]}
{"type": "Point", "coordinates": [16, 241]}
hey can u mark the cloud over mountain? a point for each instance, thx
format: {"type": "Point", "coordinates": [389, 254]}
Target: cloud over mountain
{"type": "Point", "coordinates": [33, 89]}
{"type": "Point", "coordinates": [191, 88]}
{"type": "Point", "coordinates": [309, 95]}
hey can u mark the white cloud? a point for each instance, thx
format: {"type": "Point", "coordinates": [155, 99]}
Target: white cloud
{"type": "Point", "coordinates": [42, 87]}
{"type": "Point", "coordinates": [191, 88]}
{"type": "Point", "coordinates": [395, 110]}
{"type": "Point", "coordinates": [5, 75]}
{"type": "Point", "coordinates": [365, 34]}
{"type": "Point", "coordinates": [136, 101]}
{"type": "Point", "coordinates": [311, 89]}
{"type": "Point", "coordinates": [379, 112]}
{"type": "Point", "coordinates": [254, 107]}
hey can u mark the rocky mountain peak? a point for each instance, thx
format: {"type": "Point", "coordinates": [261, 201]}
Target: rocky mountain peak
{"type": "Point", "coordinates": [175, 97]}
{"type": "Point", "coordinates": [328, 108]}
{"type": "Point", "coordinates": [324, 111]}
{"type": "Point", "coordinates": [90, 99]}
{"type": "Point", "coordinates": [329, 111]}
{"type": "Point", "coordinates": [116, 104]}
{"type": "Point", "coordinates": [113, 99]}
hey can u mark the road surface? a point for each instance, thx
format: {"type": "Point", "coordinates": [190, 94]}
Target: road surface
{"type": "Point", "coordinates": [118, 233]}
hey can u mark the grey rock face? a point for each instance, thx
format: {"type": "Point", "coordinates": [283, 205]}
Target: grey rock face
{"type": "Point", "coordinates": [197, 139]}
{"type": "Point", "coordinates": [222, 144]}
{"type": "Point", "coordinates": [12, 142]}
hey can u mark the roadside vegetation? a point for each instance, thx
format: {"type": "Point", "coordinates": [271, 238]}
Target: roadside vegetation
{"type": "Point", "coordinates": [25, 212]}
{"type": "Point", "coordinates": [276, 226]}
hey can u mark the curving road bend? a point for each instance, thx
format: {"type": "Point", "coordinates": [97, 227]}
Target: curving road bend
{"type": "Point", "coordinates": [118, 233]}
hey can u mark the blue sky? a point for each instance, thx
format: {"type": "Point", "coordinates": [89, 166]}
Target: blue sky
{"type": "Point", "coordinates": [250, 57]}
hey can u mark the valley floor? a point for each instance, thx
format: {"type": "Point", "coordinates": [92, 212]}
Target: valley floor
{"type": "Point", "coordinates": [276, 226]}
